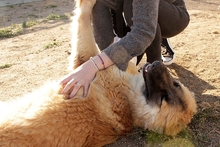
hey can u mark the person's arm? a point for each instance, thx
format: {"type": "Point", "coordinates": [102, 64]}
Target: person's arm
{"type": "Point", "coordinates": [145, 16]}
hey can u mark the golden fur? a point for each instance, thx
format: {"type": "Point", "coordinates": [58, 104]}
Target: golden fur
{"type": "Point", "coordinates": [114, 105]}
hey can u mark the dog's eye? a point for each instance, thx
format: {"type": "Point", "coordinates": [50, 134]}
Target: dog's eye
{"type": "Point", "coordinates": [176, 84]}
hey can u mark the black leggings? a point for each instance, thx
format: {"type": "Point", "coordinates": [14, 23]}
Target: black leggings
{"type": "Point", "coordinates": [172, 19]}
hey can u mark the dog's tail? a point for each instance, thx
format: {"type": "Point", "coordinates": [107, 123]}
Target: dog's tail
{"type": "Point", "coordinates": [83, 42]}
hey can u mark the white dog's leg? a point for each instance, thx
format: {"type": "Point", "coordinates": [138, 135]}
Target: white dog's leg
{"type": "Point", "coordinates": [83, 42]}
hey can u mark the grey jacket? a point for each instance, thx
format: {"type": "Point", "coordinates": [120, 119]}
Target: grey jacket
{"type": "Point", "coordinates": [145, 15]}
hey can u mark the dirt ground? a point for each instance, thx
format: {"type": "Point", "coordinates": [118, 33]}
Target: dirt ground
{"type": "Point", "coordinates": [40, 52]}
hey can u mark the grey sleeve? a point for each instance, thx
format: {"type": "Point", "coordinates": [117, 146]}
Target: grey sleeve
{"type": "Point", "coordinates": [145, 15]}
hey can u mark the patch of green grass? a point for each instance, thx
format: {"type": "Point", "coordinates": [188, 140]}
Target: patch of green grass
{"type": "Point", "coordinates": [155, 139]}
{"type": "Point", "coordinates": [5, 66]}
{"type": "Point", "coordinates": [49, 45]}
{"type": "Point", "coordinates": [52, 44]}
{"type": "Point", "coordinates": [37, 52]}
{"type": "Point", "coordinates": [10, 6]}
{"type": "Point", "coordinates": [29, 23]}
{"type": "Point", "coordinates": [183, 139]}
{"type": "Point", "coordinates": [33, 15]}
{"type": "Point", "coordinates": [178, 142]}
{"type": "Point", "coordinates": [57, 17]}
{"type": "Point", "coordinates": [52, 6]}
{"type": "Point", "coordinates": [17, 29]}
{"type": "Point", "coordinates": [34, 9]}
{"type": "Point", "coordinates": [11, 31]}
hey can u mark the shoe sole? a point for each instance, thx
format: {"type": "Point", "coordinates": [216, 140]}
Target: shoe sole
{"type": "Point", "coordinates": [169, 62]}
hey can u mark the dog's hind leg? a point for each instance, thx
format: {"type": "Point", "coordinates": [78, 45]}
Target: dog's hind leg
{"type": "Point", "coordinates": [83, 42]}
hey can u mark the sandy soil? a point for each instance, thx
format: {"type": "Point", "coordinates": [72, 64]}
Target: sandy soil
{"type": "Point", "coordinates": [197, 63]}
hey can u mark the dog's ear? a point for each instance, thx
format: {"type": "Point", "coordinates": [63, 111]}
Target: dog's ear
{"type": "Point", "coordinates": [186, 117]}
{"type": "Point", "coordinates": [184, 120]}
{"type": "Point", "coordinates": [174, 126]}
{"type": "Point", "coordinates": [174, 130]}
{"type": "Point", "coordinates": [191, 107]}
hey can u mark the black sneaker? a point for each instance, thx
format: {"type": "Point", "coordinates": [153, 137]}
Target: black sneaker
{"type": "Point", "coordinates": [167, 52]}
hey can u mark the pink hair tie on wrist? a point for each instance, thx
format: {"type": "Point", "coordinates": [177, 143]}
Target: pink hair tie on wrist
{"type": "Point", "coordinates": [102, 61]}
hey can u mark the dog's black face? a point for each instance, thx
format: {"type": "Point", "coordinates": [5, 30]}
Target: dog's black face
{"type": "Point", "coordinates": [161, 86]}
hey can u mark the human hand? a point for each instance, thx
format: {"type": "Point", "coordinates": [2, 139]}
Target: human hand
{"type": "Point", "coordinates": [84, 74]}
{"type": "Point", "coordinates": [80, 77]}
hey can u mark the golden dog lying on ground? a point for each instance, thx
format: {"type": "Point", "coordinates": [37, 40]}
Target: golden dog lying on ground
{"type": "Point", "coordinates": [117, 101]}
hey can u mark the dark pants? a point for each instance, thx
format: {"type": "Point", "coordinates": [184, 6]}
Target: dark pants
{"type": "Point", "coordinates": [172, 19]}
